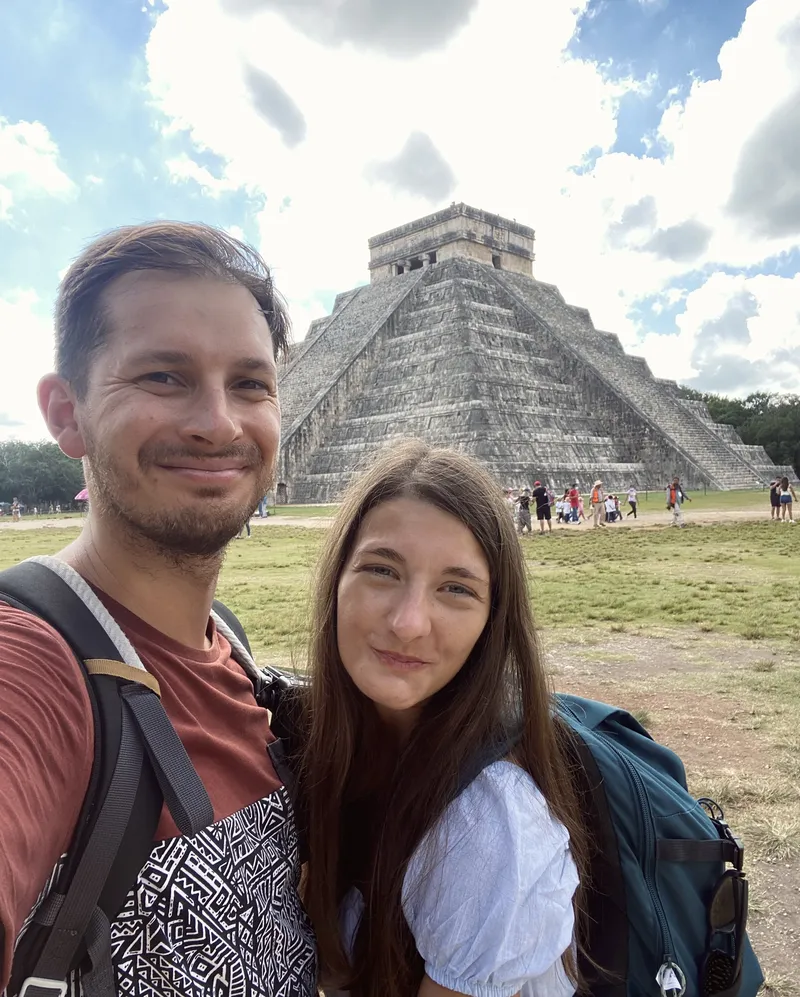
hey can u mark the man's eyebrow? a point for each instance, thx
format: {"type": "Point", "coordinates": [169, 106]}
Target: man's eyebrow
{"type": "Point", "coordinates": [255, 363]}
{"type": "Point", "coordinates": [175, 358]}
{"type": "Point", "coordinates": [179, 358]}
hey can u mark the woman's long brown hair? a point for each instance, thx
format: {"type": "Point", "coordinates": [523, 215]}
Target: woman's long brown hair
{"type": "Point", "coordinates": [362, 813]}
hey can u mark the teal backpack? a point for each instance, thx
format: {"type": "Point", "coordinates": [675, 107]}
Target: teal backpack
{"type": "Point", "coordinates": [668, 897]}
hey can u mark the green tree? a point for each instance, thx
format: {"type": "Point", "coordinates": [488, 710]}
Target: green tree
{"type": "Point", "coordinates": [38, 474]}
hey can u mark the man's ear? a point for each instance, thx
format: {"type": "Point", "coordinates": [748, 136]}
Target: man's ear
{"type": "Point", "coordinates": [57, 403]}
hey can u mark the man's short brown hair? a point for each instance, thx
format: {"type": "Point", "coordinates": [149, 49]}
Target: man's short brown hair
{"type": "Point", "coordinates": [81, 320]}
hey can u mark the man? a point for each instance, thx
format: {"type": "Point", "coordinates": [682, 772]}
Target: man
{"type": "Point", "coordinates": [524, 512]}
{"type": "Point", "coordinates": [676, 496]}
{"type": "Point", "coordinates": [166, 344]}
{"type": "Point", "coordinates": [598, 504]}
{"type": "Point", "coordinates": [542, 497]}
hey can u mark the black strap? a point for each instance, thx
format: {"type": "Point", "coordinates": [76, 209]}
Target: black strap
{"type": "Point", "coordinates": [183, 791]}
{"type": "Point", "coordinates": [77, 909]}
{"type": "Point", "coordinates": [689, 850]}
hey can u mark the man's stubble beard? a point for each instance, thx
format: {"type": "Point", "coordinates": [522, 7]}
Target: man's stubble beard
{"type": "Point", "coordinates": [196, 531]}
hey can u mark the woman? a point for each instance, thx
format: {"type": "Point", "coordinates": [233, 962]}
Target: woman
{"type": "Point", "coordinates": [787, 496]}
{"type": "Point", "coordinates": [632, 501]}
{"type": "Point", "coordinates": [425, 663]}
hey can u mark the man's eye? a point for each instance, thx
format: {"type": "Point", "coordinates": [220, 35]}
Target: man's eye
{"type": "Point", "coordinates": [249, 385]}
{"type": "Point", "coordinates": [160, 377]}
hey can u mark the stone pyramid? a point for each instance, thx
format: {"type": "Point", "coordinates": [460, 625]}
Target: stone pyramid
{"type": "Point", "coordinates": [455, 342]}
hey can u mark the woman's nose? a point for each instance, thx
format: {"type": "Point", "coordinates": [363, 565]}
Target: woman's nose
{"type": "Point", "coordinates": [411, 615]}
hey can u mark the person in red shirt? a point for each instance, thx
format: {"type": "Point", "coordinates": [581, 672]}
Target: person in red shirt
{"type": "Point", "coordinates": [574, 502]}
{"type": "Point", "coordinates": [166, 388]}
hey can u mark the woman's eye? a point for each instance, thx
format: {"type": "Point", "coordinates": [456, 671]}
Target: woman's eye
{"type": "Point", "coordinates": [455, 589]}
{"type": "Point", "coordinates": [381, 570]}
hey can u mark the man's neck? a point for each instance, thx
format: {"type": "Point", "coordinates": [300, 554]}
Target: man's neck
{"type": "Point", "coordinates": [172, 595]}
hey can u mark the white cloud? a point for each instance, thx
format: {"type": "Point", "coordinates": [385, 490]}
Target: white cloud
{"type": "Point", "coordinates": [508, 145]}
{"type": "Point", "coordinates": [27, 335]}
{"type": "Point", "coordinates": [512, 129]}
{"type": "Point", "coordinates": [184, 168]}
{"type": "Point", "coordinates": [29, 165]}
{"type": "Point", "coordinates": [737, 334]}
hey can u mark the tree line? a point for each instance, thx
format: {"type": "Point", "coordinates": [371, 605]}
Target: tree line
{"type": "Point", "coordinates": [762, 419]}
{"type": "Point", "coordinates": [38, 474]}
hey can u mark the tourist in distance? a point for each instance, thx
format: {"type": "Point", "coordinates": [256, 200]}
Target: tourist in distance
{"type": "Point", "coordinates": [632, 502]}
{"type": "Point", "coordinates": [424, 649]}
{"type": "Point", "coordinates": [542, 499]}
{"type": "Point", "coordinates": [16, 509]}
{"type": "Point", "coordinates": [574, 501]}
{"type": "Point", "coordinates": [676, 496]}
{"type": "Point", "coordinates": [523, 502]}
{"type": "Point", "coordinates": [166, 386]}
{"type": "Point", "coordinates": [563, 507]}
{"type": "Point", "coordinates": [598, 504]}
{"type": "Point", "coordinates": [611, 509]}
{"type": "Point", "coordinates": [511, 502]}
{"type": "Point", "coordinates": [787, 497]}
{"type": "Point", "coordinates": [775, 499]}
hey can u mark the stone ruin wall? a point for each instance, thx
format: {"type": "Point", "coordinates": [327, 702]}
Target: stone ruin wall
{"type": "Point", "coordinates": [348, 382]}
{"type": "Point", "coordinates": [636, 439]}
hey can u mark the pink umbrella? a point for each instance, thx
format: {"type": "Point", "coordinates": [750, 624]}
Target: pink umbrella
{"type": "Point", "coordinates": [82, 496]}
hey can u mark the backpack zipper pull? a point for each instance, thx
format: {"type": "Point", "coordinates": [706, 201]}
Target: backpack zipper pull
{"type": "Point", "coordinates": [671, 979]}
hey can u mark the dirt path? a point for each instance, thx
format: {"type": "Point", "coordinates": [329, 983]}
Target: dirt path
{"type": "Point", "coordinates": [694, 693]}
{"type": "Point", "coordinates": [649, 519]}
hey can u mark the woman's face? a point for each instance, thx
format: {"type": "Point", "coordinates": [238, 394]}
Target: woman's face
{"type": "Point", "coordinates": [413, 599]}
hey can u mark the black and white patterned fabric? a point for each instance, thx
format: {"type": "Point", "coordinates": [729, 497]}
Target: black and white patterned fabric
{"type": "Point", "coordinates": [218, 914]}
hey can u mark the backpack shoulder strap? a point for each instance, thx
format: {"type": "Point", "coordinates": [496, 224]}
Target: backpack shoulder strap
{"type": "Point", "coordinates": [233, 621]}
{"type": "Point", "coordinates": [138, 762]}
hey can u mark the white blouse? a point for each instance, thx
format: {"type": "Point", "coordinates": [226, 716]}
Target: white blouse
{"type": "Point", "coordinates": [488, 893]}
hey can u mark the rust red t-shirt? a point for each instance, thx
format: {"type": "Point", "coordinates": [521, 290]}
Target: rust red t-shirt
{"type": "Point", "coordinates": [46, 743]}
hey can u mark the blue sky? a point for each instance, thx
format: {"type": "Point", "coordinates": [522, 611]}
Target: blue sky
{"type": "Point", "coordinates": [649, 142]}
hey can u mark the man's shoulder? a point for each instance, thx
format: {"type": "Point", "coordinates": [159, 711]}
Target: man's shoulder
{"type": "Point", "coordinates": [20, 629]}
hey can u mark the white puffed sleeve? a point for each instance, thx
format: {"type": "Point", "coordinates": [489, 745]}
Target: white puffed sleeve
{"type": "Point", "coordinates": [488, 894]}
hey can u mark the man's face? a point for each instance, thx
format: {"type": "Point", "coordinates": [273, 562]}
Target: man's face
{"type": "Point", "coordinates": [181, 422]}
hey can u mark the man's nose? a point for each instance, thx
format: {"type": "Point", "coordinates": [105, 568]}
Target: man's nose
{"type": "Point", "coordinates": [212, 419]}
{"type": "Point", "coordinates": [411, 614]}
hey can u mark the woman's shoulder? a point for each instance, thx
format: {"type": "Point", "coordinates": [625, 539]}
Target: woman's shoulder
{"type": "Point", "coordinates": [488, 895]}
{"type": "Point", "coordinates": [501, 822]}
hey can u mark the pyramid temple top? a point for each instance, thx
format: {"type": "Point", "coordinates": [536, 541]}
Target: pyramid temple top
{"type": "Point", "coordinates": [456, 231]}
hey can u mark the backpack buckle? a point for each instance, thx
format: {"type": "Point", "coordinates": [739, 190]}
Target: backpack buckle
{"type": "Point", "coordinates": [55, 987]}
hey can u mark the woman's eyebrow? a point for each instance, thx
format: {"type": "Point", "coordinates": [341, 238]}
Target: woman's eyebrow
{"type": "Point", "coordinates": [460, 572]}
{"type": "Point", "coordinates": [386, 552]}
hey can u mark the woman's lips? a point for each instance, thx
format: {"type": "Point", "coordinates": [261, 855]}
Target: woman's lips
{"type": "Point", "coordinates": [400, 661]}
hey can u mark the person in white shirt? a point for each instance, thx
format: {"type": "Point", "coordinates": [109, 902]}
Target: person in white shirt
{"type": "Point", "coordinates": [611, 509]}
{"type": "Point", "coordinates": [423, 639]}
{"type": "Point", "coordinates": [632, 501]}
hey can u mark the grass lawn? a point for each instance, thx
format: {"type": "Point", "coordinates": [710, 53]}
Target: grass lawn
{"type": "Point", "coordinates": [738, 578]}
